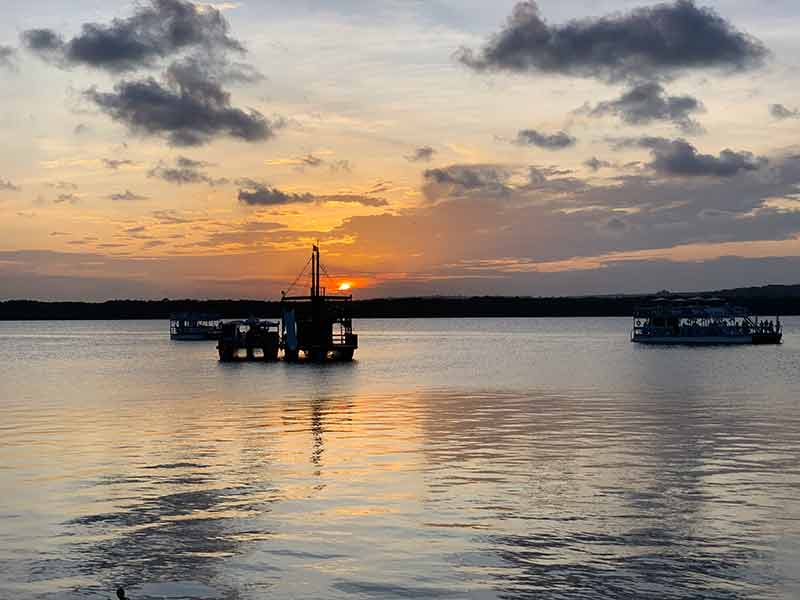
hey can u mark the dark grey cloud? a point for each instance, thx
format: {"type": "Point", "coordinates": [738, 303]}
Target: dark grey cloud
{"type": "Point", "coordinates": [190, 109]}
{"type": "Point", "coordinates": [595, 164]}
{"type": "Point", "coordinates": [552, 181]}
{"type": "Point", "coordinates": [126, 196]}
{"type": "Point", "coordinates": [7, 57]}
{"type": "Point", "coordinates": [421, 154]}
{"type": "Point", "coordinates": [552, 141]}
{"type": "Point", "coordinates": [45, 42]}
{"type": "Point", "coordinates": [458, 179]}
{"type": "Point", "coordinates": [657, 41]}
{"type": "Point", "coordinates": [254, 193]}
{"type": "Point", "coordinates": [779, 111]}
{"type": "Point", "coordinates": [185, 171]}
{"type": "Point", "coordinates": [157, 29]}
{"type": "Point", "coordinates": [648, 102]}
{"type": "Point", "coordinates": [7, 186]}
{"type": "Point", "coordinates": [189, 163]}
{"type": "Point", "coordinates": [114, 164]}
{"type": "Point", "coordinates": [680, 158]}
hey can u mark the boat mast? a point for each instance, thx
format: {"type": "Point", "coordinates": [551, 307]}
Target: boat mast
{"type": "Point", "coordinates": [315, 271]}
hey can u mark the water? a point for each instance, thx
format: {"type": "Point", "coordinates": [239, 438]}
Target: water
{"type": "Point", "coordinates": [455, 458]}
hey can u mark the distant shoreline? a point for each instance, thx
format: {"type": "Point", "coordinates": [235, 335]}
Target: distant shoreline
{"type": "Point", "coordinates": [766, 301]}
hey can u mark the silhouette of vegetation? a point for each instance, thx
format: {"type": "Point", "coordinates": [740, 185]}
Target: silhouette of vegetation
{"type": "Point", "coordinates": [768, 300]}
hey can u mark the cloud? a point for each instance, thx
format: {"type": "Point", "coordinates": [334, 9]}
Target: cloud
{"type": "Point", "coordinates": [157, 29]}
{"type": "Point", "coordinates": [551, 224]}
{"type": "Point", "coordinates": [362, 199]}
{"type": "Point", "coordinates": [63, 185]}
{"type": "Point", "coordinates": [311, 161]}
{"type": "Point", "coordinates": [779, 111]}
{"type": "Point", "coordinates": [460, 179]}
{"type": "Point", "coordinates": [185, 171]}
{"type": "Point", "coordinates": [8, 57]}
{"type": "Point", "coordinates": [45, 42]}
{"type": "Point", "coordinates": [595, 164]}
{"type": "Point", "coordinates": [254, 193]}
{"type": "Point", "coordinates": [421, 154]}
{"type": "Point", "coordinates": [189, 163]}
{"type": "Point", "coordinates": [191, 108]}
{"type": "Point", "coordinates": [680, 158]}
{"type": "Point", "coordinates": [341, 166]}
{"type": "Point", "coordinates": [115, 164]}
{"type": "Point", "coordinates": [127, 196]}
{"type": "Point", "coordinates": [648, 102]}
{"type": "Point", "coordinates": [7, 186]}
{"type": "Point", "coordinates": [69, 197]}
{"type": "Point", "coordinates": [554, 141]}
{"type": "Point", "coordinates": [658, 41]}
{"type": "Point", "coordinates": [170, 217]}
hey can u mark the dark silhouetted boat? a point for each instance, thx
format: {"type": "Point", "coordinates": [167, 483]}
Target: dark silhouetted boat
{"type": "Point", "coordinates": [701, 321]}
{"type": "Point", "coordinates": [256, 338]}
{"type": "Point", "coordinates": [317, 327]}
{"type": "Point", "coordinates": [189, 327]}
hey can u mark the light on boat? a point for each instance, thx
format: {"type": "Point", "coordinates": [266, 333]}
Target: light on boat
{"type": "Point", "coordinates": [343, 287]}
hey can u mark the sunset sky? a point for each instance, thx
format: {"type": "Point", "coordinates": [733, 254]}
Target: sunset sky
{"type": "Point", "coordinates": [163, 148]}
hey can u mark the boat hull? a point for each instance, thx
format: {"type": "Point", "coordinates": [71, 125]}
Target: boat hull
{"type": "Point", "coordinates": [200, 336]}
{"type": "Point", "coordinates": [741, 340]}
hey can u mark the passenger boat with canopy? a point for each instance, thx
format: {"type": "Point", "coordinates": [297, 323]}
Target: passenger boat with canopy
{"type": "Point", "coordinates": [701, 321]}
{"type": "Point", "coordinates": [193, 327]}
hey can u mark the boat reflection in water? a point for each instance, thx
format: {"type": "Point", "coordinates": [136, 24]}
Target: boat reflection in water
{"type": "Point", "coordinates": [701, 321]}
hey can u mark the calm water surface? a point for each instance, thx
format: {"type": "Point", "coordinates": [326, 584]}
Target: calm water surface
{"type": "Point", "coordinates": [481, 459]}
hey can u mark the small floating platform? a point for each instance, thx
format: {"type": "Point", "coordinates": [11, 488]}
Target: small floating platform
{"type": "Point", "coordinates": [250, 340]}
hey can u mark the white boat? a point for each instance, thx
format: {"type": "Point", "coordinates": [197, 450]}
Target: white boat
{"type": "Point", "coordinates": [190, 327]}
{"type": "Point", "coordinates": [701, 322]}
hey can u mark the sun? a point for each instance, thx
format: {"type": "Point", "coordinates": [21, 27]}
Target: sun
{"type": "Point", "coordinates": [343, 287]}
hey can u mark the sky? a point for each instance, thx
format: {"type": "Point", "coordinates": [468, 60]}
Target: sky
{"type": "Point", "coordinates": [164, 148]}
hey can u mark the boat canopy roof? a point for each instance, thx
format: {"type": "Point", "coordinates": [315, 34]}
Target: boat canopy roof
{"type": "Point", "coordinates": [691, 309]}
{"type": "Point", "coordinates": [190, 316]}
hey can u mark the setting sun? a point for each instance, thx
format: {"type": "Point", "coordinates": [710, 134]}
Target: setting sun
{"type": "Point", "coordinates": [343, 287]}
